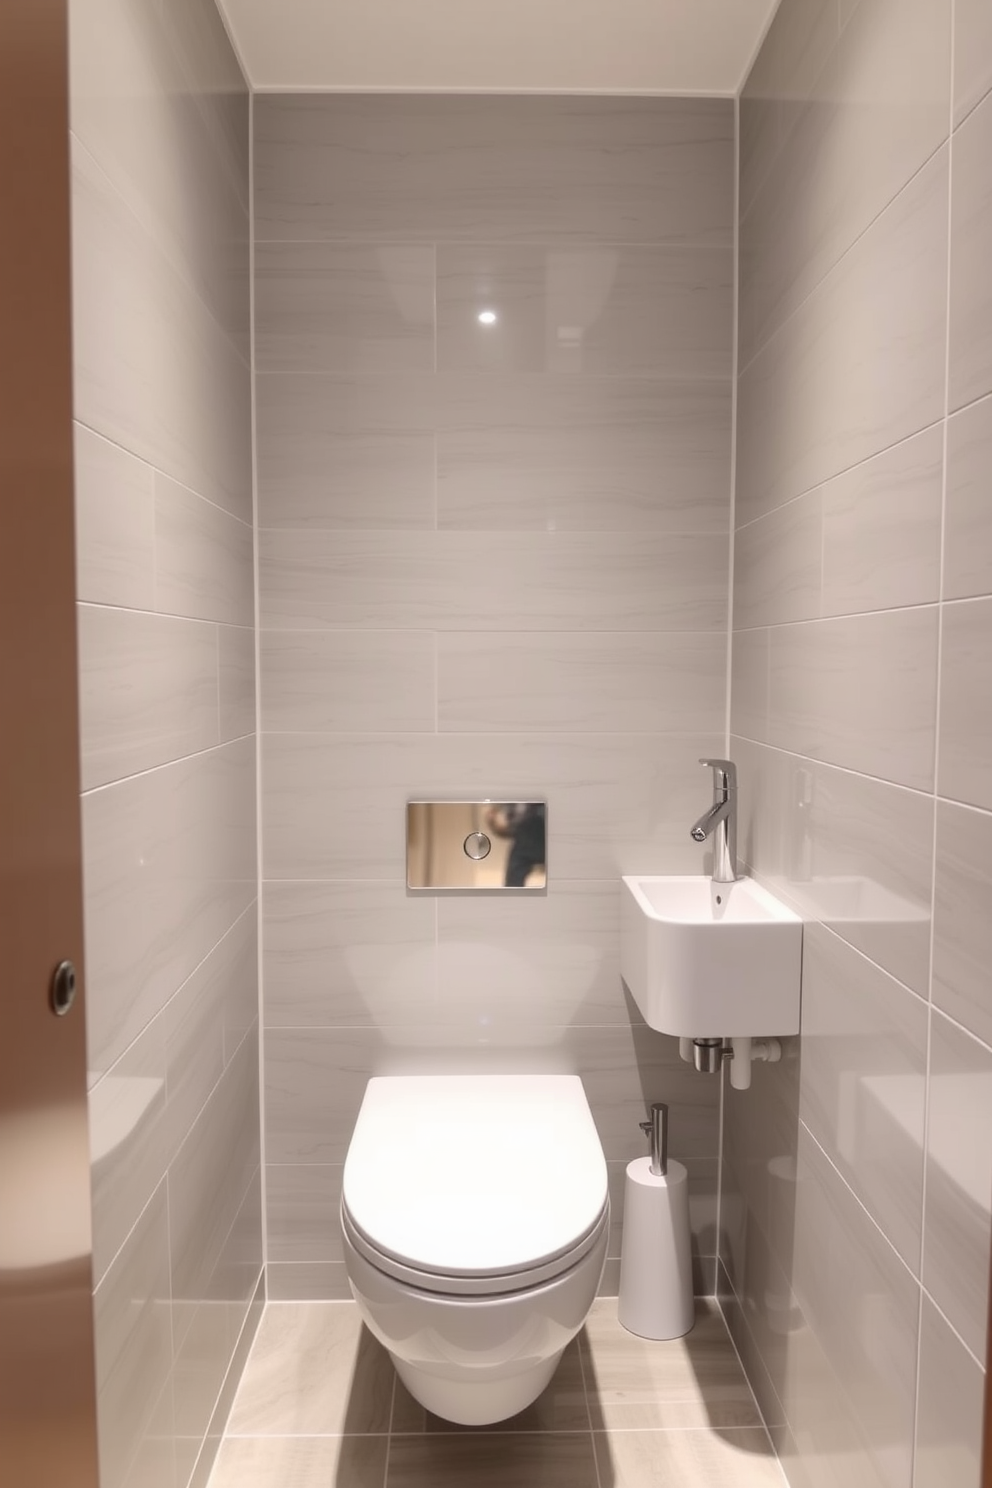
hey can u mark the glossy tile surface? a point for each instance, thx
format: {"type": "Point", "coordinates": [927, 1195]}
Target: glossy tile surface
{"type": "Point", "coordinates": [970, 351]}
{"type": "Point", "coordinates": [203, 558]}
{"type": "Point", "coordinates": [115, 524]}
{"type": "Point", "coordinates": [340, 680]}
{"type": "Point", "coordinates": [967, 538]}
{"type": "Point", "coordinates": [949, 1423]}
{"type": "Point", "coordinates": [959, 1180]}
{"type": "Point", "coordinates": [962, 935]}
{"type": "Point", "coordinates": [303, 1462]}
{"type": "Point", "coordinates": [647, 1459]}
{"type": "Point", "coordinates": [972, 55]}
{"type": "Point", "coordinates": [966, 708]}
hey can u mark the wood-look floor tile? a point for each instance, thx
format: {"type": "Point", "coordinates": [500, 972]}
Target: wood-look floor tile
{"type": "Point", "coordinates": [561, 1406]}
{"type": "Point", "coordinates": [538, 1459]}
{"type": "Point", "coordinates": [658, 1459]}
{"type": "Point", "coordinates": [314, 1369]}
{"type": "Point", "coordinates": [300, 1462]}
{"type": "Point", "coordinates": [637, 1383]}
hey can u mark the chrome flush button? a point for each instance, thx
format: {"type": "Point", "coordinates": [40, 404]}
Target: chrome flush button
{"type": "Point", "coordinates": [477, 846]}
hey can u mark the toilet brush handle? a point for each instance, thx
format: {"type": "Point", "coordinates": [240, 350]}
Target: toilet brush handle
{"type": "Point", "coordinates": [657, 1129]}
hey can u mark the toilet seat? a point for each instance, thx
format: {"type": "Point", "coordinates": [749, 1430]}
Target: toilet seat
{"type": "Point", "coordinates": [474, 1185]}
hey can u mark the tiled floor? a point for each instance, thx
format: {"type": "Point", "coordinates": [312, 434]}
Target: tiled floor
{"type": "Point", "coordinates": [320, 1407]}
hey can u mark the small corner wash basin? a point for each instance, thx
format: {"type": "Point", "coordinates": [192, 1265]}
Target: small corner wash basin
{"type": "Point", "coordinates": [710, 960]}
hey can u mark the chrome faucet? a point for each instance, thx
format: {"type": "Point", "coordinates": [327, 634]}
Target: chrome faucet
{"type": "Point", "coordinates": [721, 820]}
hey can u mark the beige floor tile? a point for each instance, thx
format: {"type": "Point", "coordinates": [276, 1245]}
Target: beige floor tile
{"type": "Point", "coordinates": [488, 1460]}
{"type": "Point", "coordinates": [636, 1383]}
{"type": "Point", "coordinates": [300, 1462]}
{"type": "Point", "coordinates": [659, 1459]}
{"type": "Point", "coordinates": [314, 1369]}
{"type": "Point", "coordinates": [560, 1407]}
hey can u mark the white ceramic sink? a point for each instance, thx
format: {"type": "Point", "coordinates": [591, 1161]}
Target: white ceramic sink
{"type": "Point", "coordinates": [709, 960]}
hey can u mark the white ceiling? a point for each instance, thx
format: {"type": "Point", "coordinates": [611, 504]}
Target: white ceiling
{"type": "Point", "coordinates": [493, 46]}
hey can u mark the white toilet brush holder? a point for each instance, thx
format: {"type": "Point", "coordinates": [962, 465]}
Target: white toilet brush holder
{"type": "Point", "coordinates": [655, 1298]}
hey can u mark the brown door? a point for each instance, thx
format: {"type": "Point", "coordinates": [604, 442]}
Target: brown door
{"type": "Point", "coordinates": [47, 1388]}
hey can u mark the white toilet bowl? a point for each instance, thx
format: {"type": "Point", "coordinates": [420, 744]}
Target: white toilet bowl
{"type": "Point", "coordinates": [475, 1217]}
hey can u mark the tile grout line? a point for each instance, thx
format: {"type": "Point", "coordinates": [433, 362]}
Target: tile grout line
{"type": "Point", "coordinates": [389, 1431]}
{"type": "Point", "coordinates": [585, 1397]}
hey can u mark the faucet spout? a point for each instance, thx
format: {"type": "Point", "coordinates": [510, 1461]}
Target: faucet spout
{"type": "Point", "coordinates": [720, 820]}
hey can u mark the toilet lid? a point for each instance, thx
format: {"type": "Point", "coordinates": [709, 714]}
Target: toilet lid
{"type": "Point", "coordinates": [463, 1175]}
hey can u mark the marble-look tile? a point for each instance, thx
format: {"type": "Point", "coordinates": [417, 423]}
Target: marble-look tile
{"type": "Point", "coordinates": [959, 1180]}
{"type": "Point", "coordinates": [154, 372]}
{"type": "Point", "coordinates": [115, 524]}
{"type": "Point", "coordinates": [749, 683]}
{"type": "Point", "coordinates": [313, 1281]}
{"type": "Point", "coordinates": [967, 531]}
{"type": "Point", "coordinates": [332, 307]}
{"type": "Point", "coordinates": [129, 1141]}
{"type": "Point", "coordinates": [133, 1342]}
{"type": "Point", "coordinates": [337, 451]}
{"type": "Point", "coordinates": [513, 963]}
{"type": "Point", "coordinates": [527, 169]}
{"type": "Point", "coordinates": [778, 565]}
{"type": "Point", "coordinates": [860, 364]}
{"type": "Point", "coordinates": [206, 1021]}
{"type": "Point", "coordinates": [759, 1155]}
{"type": "Point", "coordinates": [348, 953]}
{"type": "Point", "coordinates": [965, 720]}
{"type": "Point", "coordinates": [861, 1307]}
{"type": "Point", "coordinates": [313, 1369]}
{"type": "Point", "coordinates": [342, 681]}
{"type": "Point", "coordinates": [972, 55]}
{"type": "Point", "coordinates": [853, 852]}
{"type": "Point", "coordinates": [170, 865]}
{"type": "Point", "coordinates": [761, 1311]}
{"type": "Point", "coordinates": [513, 682]}
{"type": "Point", "coordinates": [315, 1080]}
{"type": "Point", "coordinates": [651, 1459]}
{"type": "Point", "coordinates": [755, 1367]}
{"type": "Point", "coordinates": [797, 47]}
{"type": "Point", "coordinates": [635, 1383]}
{"type": "Point", "coordinates": [619, 803]}
{"type": "Point", "coordinates": [199, 1468]}
{"type": "Point", "coordinates": [596, 308]}
{"type": "Point", "coordinates": [970, 349]}
{"type": "Point", "coordinates": [148, 691]}
{"type": "Point", "coordinates": [811, 206]}
{"type": "Point", "coordinates": [555, 1459]}
{"type": "Point", "coordinates": [209, 1179]}
{"type": "Point", "coordinates": [213, 76]}
{"type": "Point", "coordinates": [949, 1420]}
{"type": "Point", "coordinates": [561, 1406]}
{"type": "Point", "coordinates": [300, 1461]}
{"type": "Point", "coordinates": [303, 1220]}
{"type": "Point", "coordinates": [859, 692]}
{"type": "Point", "coordinates": [962, 932]}
{"type": "Point", "coordinates": [203, 558]}
{"type": "Point", "coordinates": [556, 453]}
{"type": "Point", "coordinates": [492, 581]}
{"type": "Point", "coordinates": [863, 1092]}
{"type": "Point", "coordinates": [236, 648]}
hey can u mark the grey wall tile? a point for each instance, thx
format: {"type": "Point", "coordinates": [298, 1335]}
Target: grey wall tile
{"type": "Point", "coordinates": [825, 393]}
{"type": "Point", "coordinates": [864, 1082]}
{"type": "Point", "coordinates": [949, 1421]}
{"type": "Point", "coordinates": [965, 720]}
{"type": "Point", "coordinates": [647, 683]}
{"type": "Point", "coordinates": [859, 692]}
{"type": "Point", "coordinates": [335, 807]}
{"type": "Point", "coordinates": [959, 1180]}
{"type": "Point", "coordinates": [619, 310]}
{"type": "Point", "coordinates": [881, 97]}
{"type": "Point", "coordinates": [338, 451]}
{"type": "Point", "coordinates": [149, 691]}
{"type": "Point", "coordinates": [115, 524]}
{"type": "Point", "coordinates": [552, 581]}
{"type": "Point", "coordinates": [340, 954]}
{"type": "Point", "coordinates": [749, 683]}
{"type": "Point", "coordinates": [328, 307]}
{"type": "Point", "coordinates": [853, 852]}
{"type": "Point", "coordinates": [406, 169]}
{"type": "Point", "coordinates": [133, 1333]}
{"type": "Point", "coordinates": [170, 864]}
{"type": "Point", "coordinates": [972, 55]}
{"type": "Point", "coordinates": [308, 1462]}
{"type": "Point", "coordinates": [303, 1214]}
{"type": "Point", "coordinates": [203, 558]}
{"type": "Point", "coordinates": [345, 680]}
{"type": "Point", "coordinates": [778, 564]}
{"type": "Point", "coordinates": [970, 351]}
{"type": "Point", "coordinates": [962, 935]}
{"type": "Point", "coordinates": [558, 453]}
{"type": "Point", "coordinates": [236, 649]}
{"type": "Point", "coordinates": [967, 538]}
{"type": "Point", "coordinates": [318, 1281]}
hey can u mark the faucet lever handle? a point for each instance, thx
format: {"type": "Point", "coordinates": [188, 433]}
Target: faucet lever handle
{"type": "Point", "coordinates": [724, 773]}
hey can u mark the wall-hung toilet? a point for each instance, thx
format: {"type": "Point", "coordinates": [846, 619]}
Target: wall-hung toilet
{"type": "Point", "coordinates": [475, 1214]}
